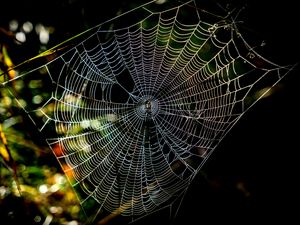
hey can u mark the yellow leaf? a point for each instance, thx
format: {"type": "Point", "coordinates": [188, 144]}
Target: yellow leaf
{"type": "Point", "coordinates": [3, 150]}
{"type": "Point", "coordinates": [8, 62]}
{"type": "Point", "coordinates": [2, 136]}
{"type": "Point", "coordinates": [4, 153]}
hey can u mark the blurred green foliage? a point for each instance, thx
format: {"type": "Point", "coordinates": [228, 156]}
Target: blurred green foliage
{"type": "Point", "coordinates": [33, 188]}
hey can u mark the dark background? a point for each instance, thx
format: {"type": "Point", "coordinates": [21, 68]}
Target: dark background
{"type": "Point", "coordinates": [252, 176]}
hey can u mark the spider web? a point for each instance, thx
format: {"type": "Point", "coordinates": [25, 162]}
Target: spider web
{"type": "Point", "coordinates": [137, 104]}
